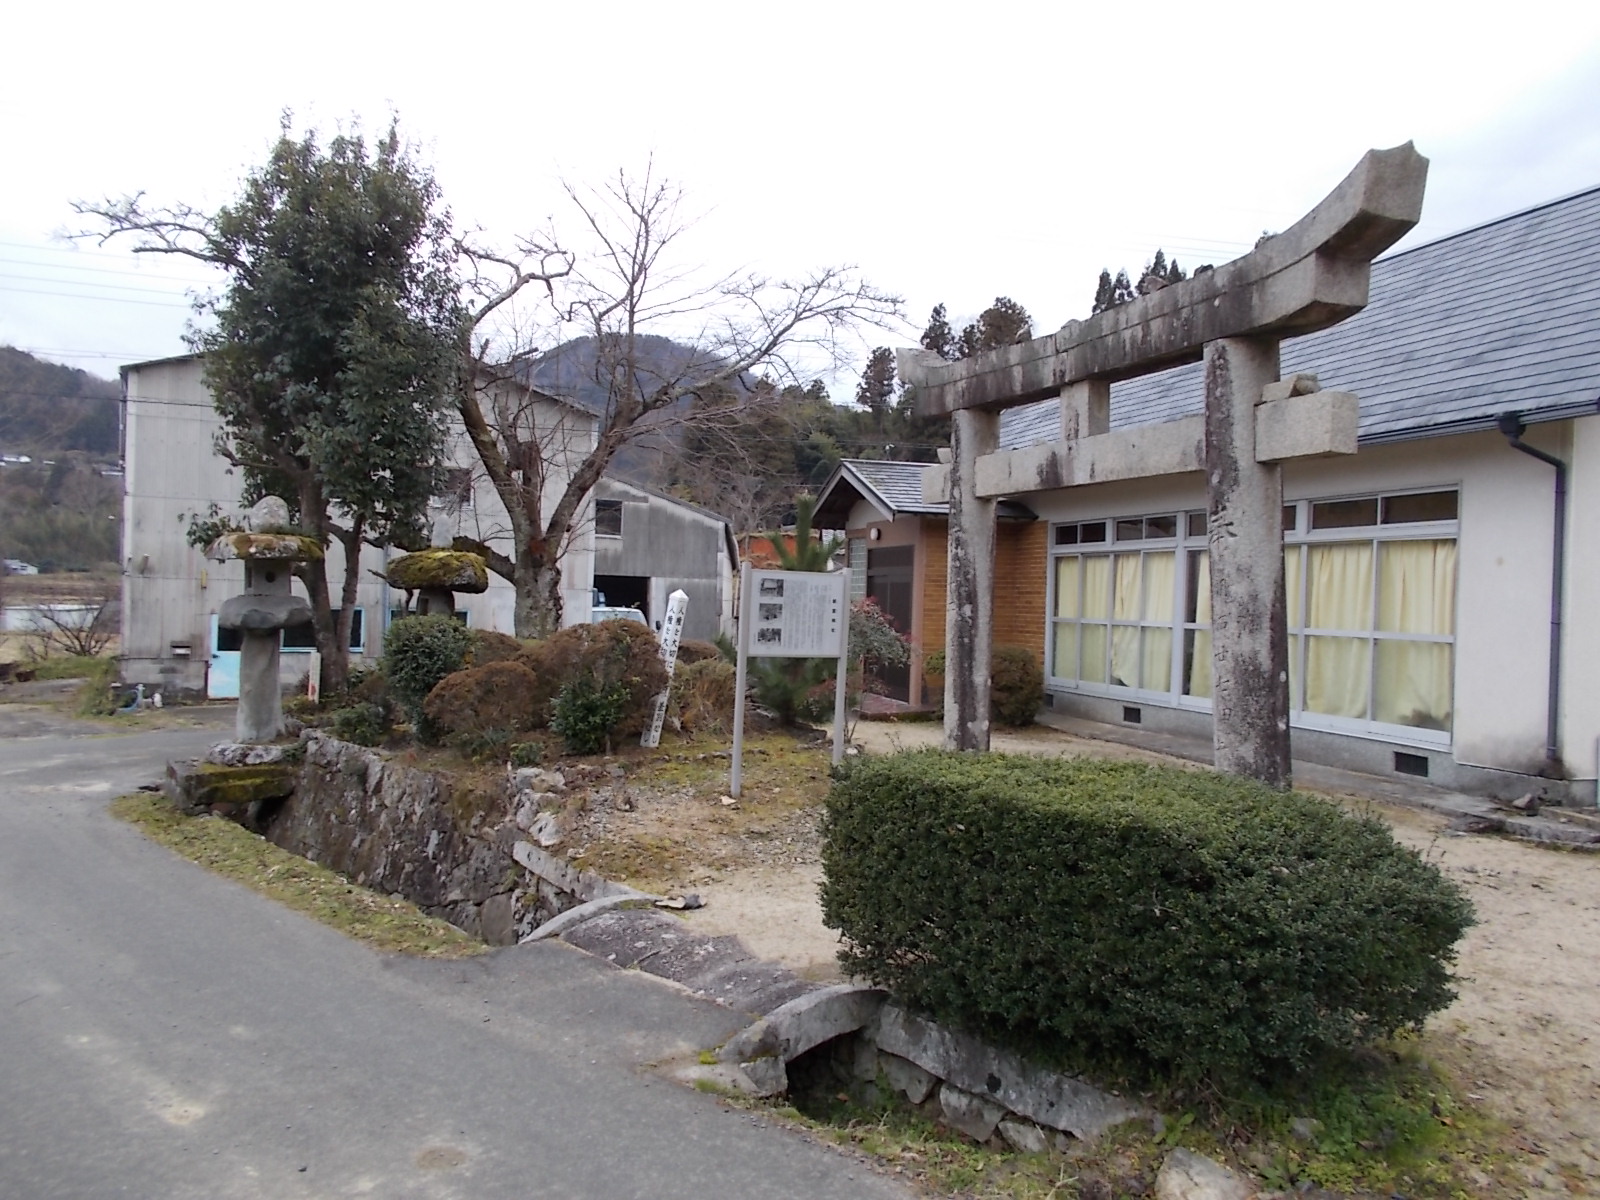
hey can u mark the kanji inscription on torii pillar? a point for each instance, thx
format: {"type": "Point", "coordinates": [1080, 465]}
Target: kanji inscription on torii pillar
{"type": "Point", "coordinates": [1313, 275]}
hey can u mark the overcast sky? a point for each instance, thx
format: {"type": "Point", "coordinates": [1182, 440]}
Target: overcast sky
{"type": "Point", "coordinates": [953, 153]}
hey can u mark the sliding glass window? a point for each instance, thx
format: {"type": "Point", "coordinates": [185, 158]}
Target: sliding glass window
{"type": "Point", "coordinates": [1370, 587]}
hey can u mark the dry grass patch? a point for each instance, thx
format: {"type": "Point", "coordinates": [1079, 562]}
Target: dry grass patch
{"type": "Point", "coordinates": [663, 825]}
{"type": "Point", "coordinates": [392, 926]}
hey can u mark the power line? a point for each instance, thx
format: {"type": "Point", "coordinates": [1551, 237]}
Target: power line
{"type": "Point", "coordinates": [23, 262]}
{"type": "Point", "coordinates": [101, 299]}
{"type": "Point", "coordinates": [116, 287]}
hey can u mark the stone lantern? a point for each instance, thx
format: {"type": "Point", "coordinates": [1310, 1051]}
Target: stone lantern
{"type": "Point", "coordinates": [436, 575]}
{"type": "Point", "coordinates": [263, 611]}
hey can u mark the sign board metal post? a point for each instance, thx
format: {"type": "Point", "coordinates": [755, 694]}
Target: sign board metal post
{"type": "Point", "coordinates": [791, 614]}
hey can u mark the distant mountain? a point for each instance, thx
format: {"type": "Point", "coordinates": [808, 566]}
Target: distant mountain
{"type": "Point", "coordinates": [569, 371]}
{"type": "Point", "coordinates": [45, 407]}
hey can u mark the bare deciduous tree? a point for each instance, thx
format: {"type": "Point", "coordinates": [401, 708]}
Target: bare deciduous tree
{"type": "Point", "coordinates": [618, 302]}
{"type": "Point", "coordinates": [84, 628]}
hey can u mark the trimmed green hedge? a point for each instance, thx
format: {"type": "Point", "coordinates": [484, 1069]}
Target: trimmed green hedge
{"type": "Point", "coordinates": [1156, 923]}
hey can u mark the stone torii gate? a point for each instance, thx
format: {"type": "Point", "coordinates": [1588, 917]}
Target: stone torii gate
{"type": "Point", "coordinates": [1307, 278]}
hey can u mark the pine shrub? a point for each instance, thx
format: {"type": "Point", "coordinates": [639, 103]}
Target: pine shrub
{"type": "Point", "coordinates": [1151, 923]}
{"type": "Point", "coordinates": [366, 723]}
{"type": "Point", "coordinates": [692, 650]}
{"type": "Point", "coordinates": [587, 712]}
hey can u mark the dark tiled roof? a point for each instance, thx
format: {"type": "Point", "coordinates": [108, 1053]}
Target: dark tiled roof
{"type": "Point", "coordinates": [1502, 317]}
{"type": "Point", "coordinates": [893, 486]}
{"type": "Point", "coordinates": [898, 483]}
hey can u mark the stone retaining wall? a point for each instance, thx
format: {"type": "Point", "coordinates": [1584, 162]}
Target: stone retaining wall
{"type": "Point", "coordinates": [482, 855]}
{"type": "Point", "coordinates": [445, 845]}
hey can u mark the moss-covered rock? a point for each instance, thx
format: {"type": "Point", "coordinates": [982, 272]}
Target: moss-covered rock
{"type": "Point", "coordinates": [196, 787]}
{"type": "Point", "coordinates": [265, 547]}
{"type": "Point", "coordinates": [456, 570]}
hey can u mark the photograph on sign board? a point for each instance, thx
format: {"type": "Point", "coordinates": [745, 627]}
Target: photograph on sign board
{"type": "Point", "coordinates": [771, 636]}
{"type": "Point", "coordinates": [772, 587]}
{"type": "Point", "coordinates": [771, 612]}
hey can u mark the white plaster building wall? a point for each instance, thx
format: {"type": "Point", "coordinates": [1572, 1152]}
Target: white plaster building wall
{"type": "Point", "coordinates": [1503, 572]}
{"type": "Point", "coordinates": [565, 436]}
{"type": "Point", "coordinates": [170, 472]}
{"type": "Point", "coordinates": [171, 591]}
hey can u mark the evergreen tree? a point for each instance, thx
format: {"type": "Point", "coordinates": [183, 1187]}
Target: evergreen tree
{"type": "Point", "coordinates": [1003, 323]}
{"type": "Point", "coordinates": [939, 337]}
{"type": "Point", "coordinates": [1104, 294]}
{"type": "Point", "coordinates": [876, 389]}
{"type": "Point", "coordinates": [334, 344]}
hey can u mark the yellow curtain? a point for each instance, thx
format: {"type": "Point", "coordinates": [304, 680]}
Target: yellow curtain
{"type": "Point", "coordinates": [1092, 664]}
{"type": "Point", "coordinates": [1416, 594]}
{"type": "Point", "coordinates": [1200, 648]}
{"type": "Point", "coordinates": [1066, 588]}
{"type": "Point", "coordinates": [1293, 558]}
{"type": "Point", "coordinates": [1341, 586]}
{"type": "Point", "coordinates": [1096, 607]}
{"type": "Point", "coordinates": [1291, 584]}
{"type": "Point", "coordinates": [1125, 607]}
{"type": "Point", "coordinates": [1160, 601]}
{"type": "Point", "coordinates": [1417, 587]}
{"type": "Point", "coordinates": [1339, 596]}
{"type": "Point", "coordinates": [1096, 587]}
{"type": "Point", "coordinates": [1337, 672]}
{"type": "Point", "coordinates": [1065, 663]}
{"type": "Point", "coordinates": [1414, 684]}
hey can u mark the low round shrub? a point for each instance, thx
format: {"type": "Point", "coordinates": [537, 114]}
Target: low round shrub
{"type": "Point", "coordinates": [692, 650]}
{"type": "Point", "coordinates": [525, 754]}
{"type": "Point", "coordinates": [496, 696]}
{"type": "Point", "coordinates": [484, 745]}
{"type": "Point", "coordinates": [1148, 922]}
{"type": "Point", "coordinates": [622, 653]}
{"type": "Point", "coordinates": [703, 694]}
{"type": "Point", "coordinates": [1016, 686]}
{"type": "Point", "coordinates": [1016, 683]}
{"type": "Point", "coordinates": [365, 723]}
{"type": "Point", "coordinates": [417, 653]}
{"type": "Point", "coordinates": [587, 712]}
{"type": "Point", "coordinates": [490, 647]}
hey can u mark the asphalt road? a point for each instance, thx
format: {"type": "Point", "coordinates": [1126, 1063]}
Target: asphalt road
{"type": "Point", "coordinates": [167, 1034]}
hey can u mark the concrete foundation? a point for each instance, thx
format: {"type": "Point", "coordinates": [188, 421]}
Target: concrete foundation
{"type": "Point", "coordinates": [1187, 733]}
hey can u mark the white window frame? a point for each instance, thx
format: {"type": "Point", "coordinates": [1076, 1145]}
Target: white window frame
{"type": "Point", "coordinates": [1300, 539]}
{"type": "Point", "coordinates": [355, 647]}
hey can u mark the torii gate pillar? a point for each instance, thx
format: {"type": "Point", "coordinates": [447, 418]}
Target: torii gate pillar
{"type": "Point", "coordinates": [970, 623]}
{"type": "Point", "coordinates": [1244, 521]}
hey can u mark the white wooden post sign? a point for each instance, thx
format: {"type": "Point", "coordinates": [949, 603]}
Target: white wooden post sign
{"type": "Point", "coordinates": [790, 614]}
{"type": "Point", "coordinates": [671, 635]}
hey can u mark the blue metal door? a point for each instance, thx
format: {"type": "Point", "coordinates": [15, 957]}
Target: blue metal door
{"type": "Point", "coordinates": [222, 680]}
